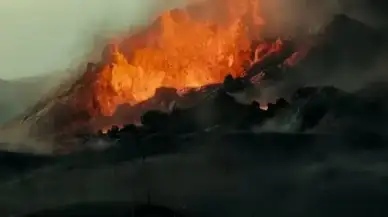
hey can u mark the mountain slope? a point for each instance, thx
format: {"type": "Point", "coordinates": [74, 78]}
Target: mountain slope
{"type": "Point", "coordinates": [17, 95]}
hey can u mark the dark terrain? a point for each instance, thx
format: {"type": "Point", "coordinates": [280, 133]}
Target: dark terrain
{"type": "Point", "coordinates": [237, 174]}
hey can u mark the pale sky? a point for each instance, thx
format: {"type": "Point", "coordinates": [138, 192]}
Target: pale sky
{"type": "Point", "coordinates": [41, 36]}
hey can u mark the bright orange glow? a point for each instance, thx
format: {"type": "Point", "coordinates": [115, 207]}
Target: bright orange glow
{"type": "Point", "coordinates": [183, 48]}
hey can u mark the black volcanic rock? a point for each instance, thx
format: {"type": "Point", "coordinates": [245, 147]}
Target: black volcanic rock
{"type": "Point", "coordinates": [156, 120]}
{"type": "Point", "coordinates": [113, 132]}
{"type": "Point", "coordinates": [167, 94]}
{"type": "Point", "coordinates": [234, 84]}
{"type": "Point", "coordinates": [311, 104]}
{"type": "Point", "coordinates": [221, 110]}
{"type": "Point", "coordinates": [314, 103]}
{"type": "Point", "coordinates": [254, 116]}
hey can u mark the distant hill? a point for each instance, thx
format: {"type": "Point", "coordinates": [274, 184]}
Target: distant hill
{"type": "Point", "coordinates": [17, 95]}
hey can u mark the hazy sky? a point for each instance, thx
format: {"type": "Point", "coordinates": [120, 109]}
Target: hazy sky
{"type": "Point", "coordinates": [40, 36]}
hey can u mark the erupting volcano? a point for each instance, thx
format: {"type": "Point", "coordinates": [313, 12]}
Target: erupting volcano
{"type": "Point", "coordinates": [183, 48]}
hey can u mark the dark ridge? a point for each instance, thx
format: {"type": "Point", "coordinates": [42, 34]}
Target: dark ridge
{"type": "Point", "coordinates": [346, 44]}
{"type": "Point", "coordinates": [164, 132]}
{"type": "Point", "coordinates": [107, 209]}
{"type": "Point", "coordinates": [16, 163]}
{"type": "Point", "coordinates": [223, 110]}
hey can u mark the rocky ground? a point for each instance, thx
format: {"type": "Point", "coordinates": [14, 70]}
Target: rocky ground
{"type": "Point", "coordinates": [234, 174]}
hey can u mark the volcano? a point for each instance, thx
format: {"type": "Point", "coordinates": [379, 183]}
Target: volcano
{"type": "Point", "coordinates": [183, 49]}
{"type": "Point", "coordinates": [278, 127]}
{"type": "Point", "coordinates": [184, 57]}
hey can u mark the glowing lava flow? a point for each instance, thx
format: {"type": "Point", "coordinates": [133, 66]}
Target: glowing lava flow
{"type": "Point", "coordinates": [189, 47]}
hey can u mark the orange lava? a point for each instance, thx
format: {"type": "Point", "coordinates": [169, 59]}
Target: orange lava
{"type": "Point", "coordinates": [189, 47]}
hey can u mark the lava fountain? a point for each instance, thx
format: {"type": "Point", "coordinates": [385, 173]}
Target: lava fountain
{"type": "Point", "coordinates": [190, 47]}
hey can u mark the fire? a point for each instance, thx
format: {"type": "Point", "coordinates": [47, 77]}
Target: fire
{"type": "Point", "coordinates": [189, 47]}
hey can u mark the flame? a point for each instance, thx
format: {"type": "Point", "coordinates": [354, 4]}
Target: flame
{"type": "Point", "coordinates": [189, 47]}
